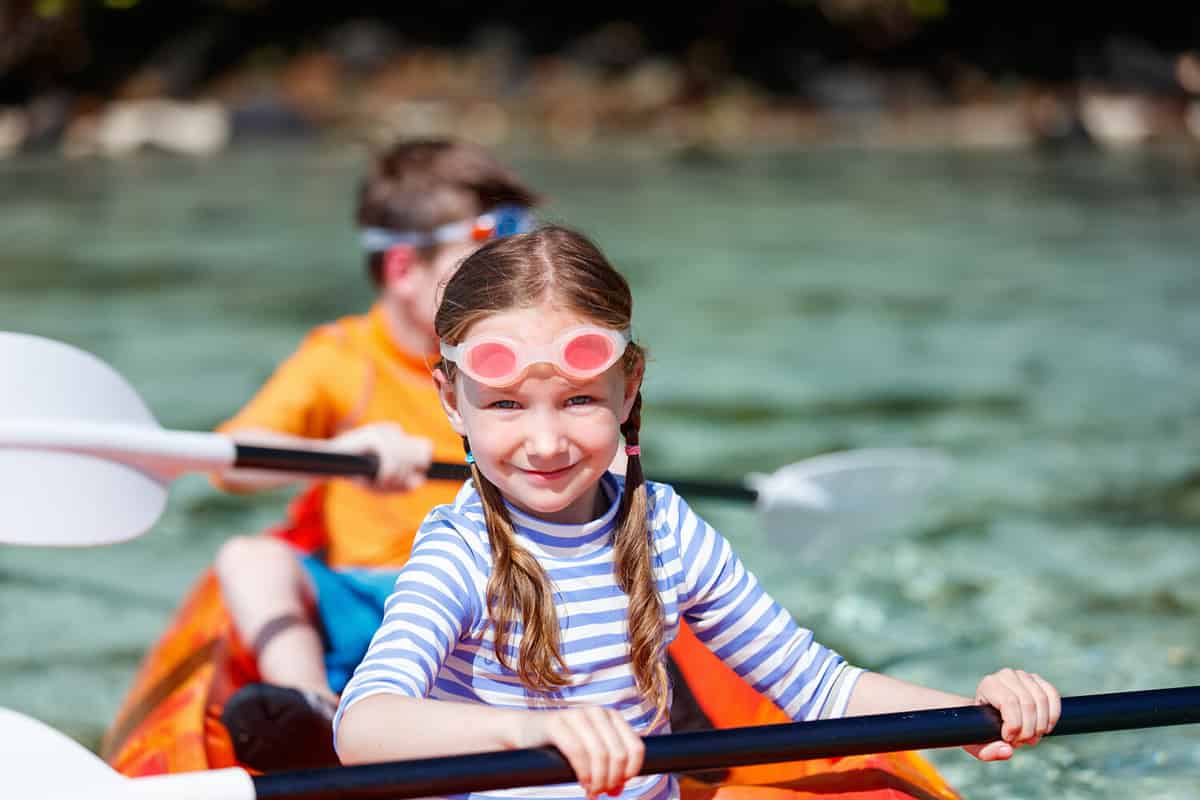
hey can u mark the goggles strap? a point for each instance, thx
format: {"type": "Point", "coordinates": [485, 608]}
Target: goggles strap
{"type": "Point", "coordinates": [499, 221]}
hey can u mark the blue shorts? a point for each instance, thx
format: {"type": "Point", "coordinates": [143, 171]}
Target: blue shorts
{"type": "Point", "coordinates": [350, 605]}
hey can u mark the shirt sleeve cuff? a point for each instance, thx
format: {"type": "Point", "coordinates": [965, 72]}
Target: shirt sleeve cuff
{"type": "Point", "coordinates": [839, 693]}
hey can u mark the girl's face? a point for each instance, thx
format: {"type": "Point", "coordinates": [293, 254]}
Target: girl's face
{"type": "Point", "coordinates": [545, 440]}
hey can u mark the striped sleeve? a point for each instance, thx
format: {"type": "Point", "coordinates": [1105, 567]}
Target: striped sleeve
{"type": "Point", "coordinates": [435, 601]}
{"type": "Point", "coordinates": [732, 614]}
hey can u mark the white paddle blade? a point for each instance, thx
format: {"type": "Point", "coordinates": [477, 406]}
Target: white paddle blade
{"type": "Point", "coordinates": [38, 761]}
{"type": "Point", "coordinates": [67, 499]}
{"type": "Point", "coordinates": [45, 378]}
{"type": "Point", "coordinates": [825, 506]}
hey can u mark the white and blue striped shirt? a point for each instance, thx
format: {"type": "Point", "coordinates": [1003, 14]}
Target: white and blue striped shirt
{"type": "Point", "coordinates": [436, 639]}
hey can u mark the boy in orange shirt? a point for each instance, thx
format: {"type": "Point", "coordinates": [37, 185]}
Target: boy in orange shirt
{"type": "Point", "coordinates": [361, 384]}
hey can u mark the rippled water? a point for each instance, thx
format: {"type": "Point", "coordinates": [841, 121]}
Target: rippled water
{"type": "Point", "coordinates": [1035, 318]}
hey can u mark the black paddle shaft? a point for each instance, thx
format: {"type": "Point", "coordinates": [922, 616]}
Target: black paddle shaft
{"type": "Point", "coordinates": [763, 744]}
{"type": "Point", "coordinates": [315, 462]}
{"type": "Point", "coordinates": [715, 490]}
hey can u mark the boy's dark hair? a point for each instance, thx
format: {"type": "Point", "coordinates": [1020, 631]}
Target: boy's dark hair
{"type": "Point", "coordinates": [419, 184]}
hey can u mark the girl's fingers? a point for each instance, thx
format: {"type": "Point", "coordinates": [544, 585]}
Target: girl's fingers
{"type": "Point", "coordinates": [607, 724]}
{"type": "Point", "coordinates": [614, 750]}
{"type": "Point", "coordinates": [1023, 707]}
{"type": "Point", "coordinates": [631, 749]}
{"type": "Point", "coordinates": [1029, 705]}
{"type": "Point", "coordinates": [563, 736]}
{"type": "Point", "coordinates": [635, 747]}
{"type": "Point", "coordinates": [593, 777]}
{"type": "Point", "coordinates": [993, 692]}
{"type": "Point", "coordinates": [593, 728]}
{"type": "Point", "coordinates": [1035, 725]}
{"type": "Point", "coordinates": [599, 745]}
{"type": "Point", "coordinates": [1053, 701]}
{"type": "Point", "coordinates": [992, 751]}
{"type": "Point", "coordinates": [1003, 690]}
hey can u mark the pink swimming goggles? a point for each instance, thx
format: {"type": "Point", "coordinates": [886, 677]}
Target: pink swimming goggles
{"type": "Point", "coordinates": [579, 353]}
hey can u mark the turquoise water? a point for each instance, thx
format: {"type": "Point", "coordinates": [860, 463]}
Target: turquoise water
{"type": "Point", "coordinates": [1034, 318]}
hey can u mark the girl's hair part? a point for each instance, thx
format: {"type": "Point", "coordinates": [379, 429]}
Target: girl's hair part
{"type": "Point", "coordinates": [564, 267]}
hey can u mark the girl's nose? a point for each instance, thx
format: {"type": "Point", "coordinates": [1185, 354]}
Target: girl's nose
{"type": "Point", "coordinates": [544, 438]}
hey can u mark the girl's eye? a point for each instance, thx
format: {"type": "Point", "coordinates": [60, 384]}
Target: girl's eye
{"type": "Point", "coordinates": [504, 404]}
{"type": "Point", "coordinates": [579, 400]}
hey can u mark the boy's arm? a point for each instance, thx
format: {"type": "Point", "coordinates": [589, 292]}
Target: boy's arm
{"type": "Point", "coordinates": [307, 404]}
{"type": "Point", "coordinates": [403, 459]}
{"type": "Point", "coordinates": [254, 480]}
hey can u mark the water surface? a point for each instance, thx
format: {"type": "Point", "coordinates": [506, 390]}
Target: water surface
{"type": "Point", "coordinates": [1032, 317]}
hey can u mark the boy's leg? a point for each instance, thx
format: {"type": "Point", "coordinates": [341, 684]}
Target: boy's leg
{"type": "Point", "coordinates": [271, 601]}
{"type": "Point", "coordinates": [284, 722]}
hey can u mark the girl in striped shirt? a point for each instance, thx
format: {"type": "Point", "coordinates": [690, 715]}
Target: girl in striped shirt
{"type": "Point", "coordinates": [536, 609]}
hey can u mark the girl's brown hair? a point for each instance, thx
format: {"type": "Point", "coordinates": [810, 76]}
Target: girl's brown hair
{"type": "Point", "coordinates": [561, 266]}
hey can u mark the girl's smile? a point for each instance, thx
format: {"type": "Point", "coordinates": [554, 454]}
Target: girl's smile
{"type": "Point", "coordinates": [545, 440]}
{"type": "Point", "coordinates": [548, 476]}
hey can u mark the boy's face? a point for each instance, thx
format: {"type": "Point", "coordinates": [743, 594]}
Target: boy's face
{"type": "Point", "coordinates": [414, 287]}
{"type": "Point", "coordinates": [434, 266]}
{"type": "Point", "coordinates": [430, 272]}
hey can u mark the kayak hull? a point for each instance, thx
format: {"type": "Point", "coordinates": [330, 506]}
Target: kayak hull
{"type": "Point", "coordinates": [169, 720]}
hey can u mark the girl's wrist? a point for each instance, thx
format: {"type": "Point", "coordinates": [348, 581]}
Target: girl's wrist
{"type": "Point", "coordinates": [511, 728]}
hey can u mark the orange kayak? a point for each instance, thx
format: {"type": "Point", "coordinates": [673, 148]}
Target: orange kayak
{"type": "Point", "coordinates": [170, 718]}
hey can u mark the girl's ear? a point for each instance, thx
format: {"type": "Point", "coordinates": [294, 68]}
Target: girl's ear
{"type": "Point", "coordinates": [633, 385]}
{"type": "Point", "coordinates": [449, 398]}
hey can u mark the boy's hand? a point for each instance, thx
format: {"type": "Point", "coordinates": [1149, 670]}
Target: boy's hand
{"type": "Point", "coordinates": [403, 459]}
{"type": "Point", "coordinates": [1029, 707]}
{"type": "Point", "coordinates": [597, 742]}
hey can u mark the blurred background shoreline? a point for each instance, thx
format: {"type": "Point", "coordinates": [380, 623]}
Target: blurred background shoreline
{"type": "Point", "coordinates": [114, 77]}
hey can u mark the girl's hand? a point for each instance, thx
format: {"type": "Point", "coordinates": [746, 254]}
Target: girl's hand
{"type": "Point", "coordinates": [1029, 707]}
{"type": "Point", "coordinates": [403, 459]}
{"type": "Point", "coordinates": [597, 742]}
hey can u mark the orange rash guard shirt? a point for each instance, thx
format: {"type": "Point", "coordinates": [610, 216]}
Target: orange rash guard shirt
{"type": "Point", "coordinates": [346, 374]}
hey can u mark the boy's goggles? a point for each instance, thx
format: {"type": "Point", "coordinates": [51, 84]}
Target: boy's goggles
{"type": "Point", "coordinates": [580, 353]}
{"type": "Point", "coordinates": [500, 221]}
